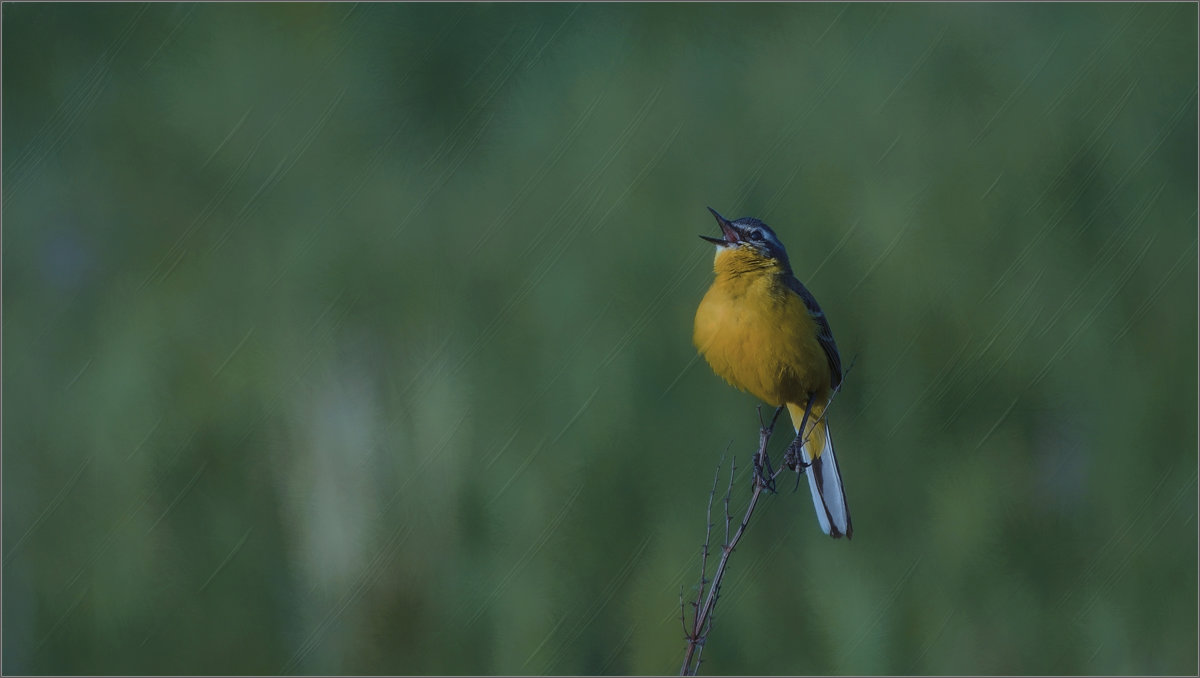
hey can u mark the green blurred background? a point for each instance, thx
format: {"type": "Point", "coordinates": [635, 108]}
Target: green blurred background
{"type": "Point", "coordinates": [357, 338]}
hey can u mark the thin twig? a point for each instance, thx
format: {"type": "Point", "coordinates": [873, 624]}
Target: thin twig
{"type": "Point", "coordinates": [702, 621]}
{"type": "Point", "coordinates": [682, 610]}
{"type": "Point", "coordinates": [728, 494]}
{"type": "Point", "coordinates": [700, 649]}
{"type": "Point", "coordinates": [707, 540]}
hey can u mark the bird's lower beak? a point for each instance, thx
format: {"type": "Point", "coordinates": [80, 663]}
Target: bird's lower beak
{"type": "Point", "coordinates": [731, 234]}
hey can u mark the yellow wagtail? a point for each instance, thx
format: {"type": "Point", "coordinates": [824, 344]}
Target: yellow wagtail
{"type": "Point", "coordinates": [763, 332]}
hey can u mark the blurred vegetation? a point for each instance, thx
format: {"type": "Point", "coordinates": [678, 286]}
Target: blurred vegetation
{"type": "Point", "coordinates": [357, 338]}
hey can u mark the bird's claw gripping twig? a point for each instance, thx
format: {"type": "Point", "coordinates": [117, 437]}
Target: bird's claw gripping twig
{"type": "Point", "coordinates": [793, 459]}
{"type": "Point", "coordinates": [763, 473]}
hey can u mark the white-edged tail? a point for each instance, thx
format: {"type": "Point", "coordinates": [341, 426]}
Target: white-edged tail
{"type": "Point", "coordinates": [825, 481]}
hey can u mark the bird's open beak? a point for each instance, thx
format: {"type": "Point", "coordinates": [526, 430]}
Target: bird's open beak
{"type": "Point", "coordinates": [731, 234]}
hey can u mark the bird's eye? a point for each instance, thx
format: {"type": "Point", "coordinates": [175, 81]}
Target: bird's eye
{"type": "Point", "coordinates": [756, 234]}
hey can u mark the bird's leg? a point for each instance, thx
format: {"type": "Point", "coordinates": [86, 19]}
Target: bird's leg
{"type": "Point", "coordinates": [774, 418]}
{"type": "Point", "coordinates": [793, 458]}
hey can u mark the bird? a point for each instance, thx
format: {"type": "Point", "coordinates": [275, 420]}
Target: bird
{"type": "Point", "coordinates": [763, 332]}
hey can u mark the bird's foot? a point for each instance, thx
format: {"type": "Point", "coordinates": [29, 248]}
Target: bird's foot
{"type": "Point", "coordinates": [764, 475]}
{"type": "Point", "coordinates": [794, 459]}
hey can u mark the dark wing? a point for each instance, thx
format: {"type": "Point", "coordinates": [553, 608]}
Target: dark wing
{"type": "Point", "coordinates": [824, 334]}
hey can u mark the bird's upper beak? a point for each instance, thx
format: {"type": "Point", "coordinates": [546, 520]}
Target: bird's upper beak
{"type": "Point", "coordinates": [731, 234]}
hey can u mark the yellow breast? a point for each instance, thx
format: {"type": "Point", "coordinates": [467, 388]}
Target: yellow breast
{"type": "Point", "coordinates": [758, 335]}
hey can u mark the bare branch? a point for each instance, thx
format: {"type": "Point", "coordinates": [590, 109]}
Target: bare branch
{"type": "Point", "coordinates": [728, 494]}
{"type": "Point", "coordinates": [704, 550]}
{"type": "Point", "coordinates": [683, 613]}
{"type": "Point", "coordinates": [702, 620]}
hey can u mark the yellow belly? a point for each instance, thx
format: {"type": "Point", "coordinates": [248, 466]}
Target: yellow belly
{"type": "Point", "coordinates": [757, 335]}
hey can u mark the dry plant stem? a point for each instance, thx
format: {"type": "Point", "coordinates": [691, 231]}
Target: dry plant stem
{"type": "Point", "coordinates": [728, 495]}
{"type": "Point", "coordinates": [707, 539]}
{"type": "Point", "coordinates": [703, 618]}
{"type": "Point", "coordinates": [728, 521]}
{"type": "Point", "coordinates": [702, 621]}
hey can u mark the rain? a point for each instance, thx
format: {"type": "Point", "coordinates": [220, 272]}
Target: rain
{"type": "Point", "coordinates": [357, 338]}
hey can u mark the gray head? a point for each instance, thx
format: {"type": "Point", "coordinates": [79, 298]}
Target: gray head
{"type": "Point", "coordinates": [752, 233]}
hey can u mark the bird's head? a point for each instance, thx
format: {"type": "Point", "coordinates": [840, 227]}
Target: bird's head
{"type": "Point", "coordinates": [750, 242]}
